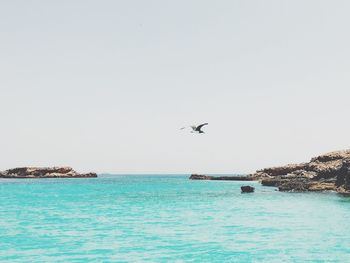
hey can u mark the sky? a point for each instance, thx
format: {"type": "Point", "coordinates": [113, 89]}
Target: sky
{"type": "Point", "coordinates": [105, 86]}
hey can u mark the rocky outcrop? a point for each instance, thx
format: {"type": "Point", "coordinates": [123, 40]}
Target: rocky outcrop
{"type": "Point", "coordinates": [247, 189]}
{"type": "Point", "coordinates": [200, 177]}
{"type": "Point", "coordinates": [222, 178]}
{"type": "Point", "coordinates": [326, 172]}
{"type": "Point", "coordinates": [280, 170]}
{"type": "Point", "coordinates": [46, 172]}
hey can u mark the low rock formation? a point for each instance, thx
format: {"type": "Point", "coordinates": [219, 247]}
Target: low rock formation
{"type": "Point", "coordinates": [329, 171]}
{"type": "Point", "coordinates": [47, 172]}
{"type": "Point", "coordinates": [222, 178]}
{"type": "Point", "coordinates": [200, 177]}
{"type": "Point", "coordinates": [247, 189]}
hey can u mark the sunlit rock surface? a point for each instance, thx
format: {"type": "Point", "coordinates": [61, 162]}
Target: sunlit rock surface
{"type": "Point", "coordinates": [327, 172]}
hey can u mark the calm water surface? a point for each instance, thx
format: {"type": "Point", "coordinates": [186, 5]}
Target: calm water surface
{"type": "Point", "coordinates": [168, 219]}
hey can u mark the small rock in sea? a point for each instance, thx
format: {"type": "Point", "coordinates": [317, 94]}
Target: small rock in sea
{"type": "Point", "coordinates": [247, 189]}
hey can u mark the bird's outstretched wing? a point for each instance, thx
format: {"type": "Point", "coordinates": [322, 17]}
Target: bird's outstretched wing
{"type": "Point", "coordinates": [192, 126]}
{"type": "Point", "coordinates": [199, 127]}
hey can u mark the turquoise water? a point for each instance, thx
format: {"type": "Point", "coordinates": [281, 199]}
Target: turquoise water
{"type": "Point", "coordinates": [168, 219]}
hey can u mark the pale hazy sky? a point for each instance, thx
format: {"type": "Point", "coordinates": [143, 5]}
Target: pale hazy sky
{"type": "Point", "coordinates": [106, 85]}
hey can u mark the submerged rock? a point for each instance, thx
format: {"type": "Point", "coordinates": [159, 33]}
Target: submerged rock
{"type": "Point", "coordinates": [44, 172]}
{"type": "Point", "coordinates": [326, 172]}
{"type": "Point", "coordinates": [247, 189]}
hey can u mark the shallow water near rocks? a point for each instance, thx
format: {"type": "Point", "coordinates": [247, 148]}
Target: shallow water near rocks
{"type": "Point", "coordinates": [168, 218]}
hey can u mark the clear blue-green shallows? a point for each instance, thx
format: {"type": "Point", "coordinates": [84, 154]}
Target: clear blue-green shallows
{"type": "Point", "coordinates": [144, 218]}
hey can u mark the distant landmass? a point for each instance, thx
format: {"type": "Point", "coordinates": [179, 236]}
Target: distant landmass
{"type": "Point", "coordinates": [44, 172]}
{"type": "Point", "coordinates": [222, 178]}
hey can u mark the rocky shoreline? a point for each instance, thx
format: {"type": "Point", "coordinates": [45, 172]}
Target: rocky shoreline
{"type": "Point", "coordinates": [327, 172]}
{"type": "Point", "coordinates": [44, 172]}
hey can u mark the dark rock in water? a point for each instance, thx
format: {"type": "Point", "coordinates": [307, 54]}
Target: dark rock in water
{"type": "Point", "coordinates": [247, 189]}
{"type": "Point", "coordinates": [222, 178]}
{"type": "Point", "coordinates": [44, 172]}
{"type": "Point", "coordinates": [326, 172]}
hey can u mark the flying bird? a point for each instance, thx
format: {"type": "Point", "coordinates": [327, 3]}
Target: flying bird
{"type": "Point", "coordinates": [196, 129]}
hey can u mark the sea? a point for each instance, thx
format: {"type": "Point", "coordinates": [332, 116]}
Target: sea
{"type": "Point", "coordinates": [168, 218]}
